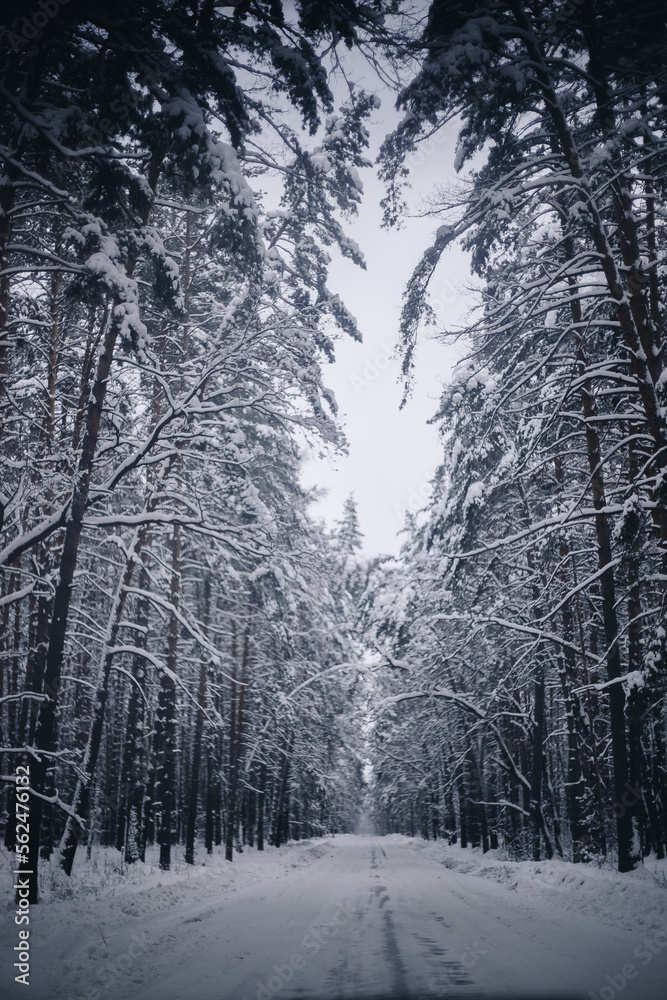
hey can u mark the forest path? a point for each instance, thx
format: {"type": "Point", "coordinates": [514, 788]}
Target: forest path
{"type": "Point", "coordinates": [346, 917]}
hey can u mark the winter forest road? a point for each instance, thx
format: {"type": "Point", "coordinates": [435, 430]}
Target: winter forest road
{"type": "Point", "coordinates": [372, 917]}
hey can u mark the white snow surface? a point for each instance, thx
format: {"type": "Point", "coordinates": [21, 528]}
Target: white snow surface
{"type": "Point", "coordinates": [345, 916]}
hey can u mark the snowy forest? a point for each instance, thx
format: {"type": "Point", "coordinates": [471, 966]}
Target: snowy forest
{"type": "Point", "coordinates": [190, 659]}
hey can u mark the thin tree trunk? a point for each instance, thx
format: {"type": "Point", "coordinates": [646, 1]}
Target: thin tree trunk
{"type": "Point", "coordinates": [624, 817]}
{"type": "Point", "coordinates": [166, 717]}
{"type": "Point", "coordinates": [199, 729]}
{"type": "Point", "coordinates": [134, 753]}
{"type": "Point", "coordinates": [235, 738]}
{"type": "Point", "coordinates": [634, 708]}
{"type": "Point", "coordinates": [261, 807]}
{"type": "Point", "coordinates": [576, 779]}
{"type": "Point", "coordinates": [624, 831]}
{"type": "Point", "coordinates": [208, 832]}
{"type": "Point", "coordinates": [80, 806]}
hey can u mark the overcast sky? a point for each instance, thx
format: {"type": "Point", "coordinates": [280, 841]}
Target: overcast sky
{"type": "Point", "coordinates": [392, 453]}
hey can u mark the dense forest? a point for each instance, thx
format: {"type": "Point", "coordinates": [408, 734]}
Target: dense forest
{"type": "Point", "coordinates": [187, 657]}
{"type": "Point", "coordinates": [526, 619]}
{"type": "Point", "coordinates": [176, 632]}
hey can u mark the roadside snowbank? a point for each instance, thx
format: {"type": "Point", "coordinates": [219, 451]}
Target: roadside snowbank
{"type": "Point", "coordinates": [634, 901]}
{"type": "Point", "coordinates": [107, 906]}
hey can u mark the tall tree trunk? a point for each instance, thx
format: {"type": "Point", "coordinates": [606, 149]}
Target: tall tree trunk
{"type": "Point", "coordinates": [134, 753]}
{"type": "Point", "coordinates": [282, 799]}
{"type": "Point", "coordinates": [624, 817]}
{"type": "Point", "coordinates": [166, 717]}
{"type": "Point", "coordinates": [261, 795]}
{"type": "Point", "coordinates": [80, 806]}
{"type": "Point", "coordinates": [199, 729]}
{"type": "Point", "coordinates": [235, 742]}
{"type": "Point", "coordinates": [538, 826]}
{"type": "Point", "coordinates": [537, 762]}
{"type": "Point", "coordinates": [211, 774]}
{"type": "Point", "coordinates": [634, 707]}
{"type": "Point", "coordinates": [576, 779]}
{"type": "Point", "coordinates": [624, 826]}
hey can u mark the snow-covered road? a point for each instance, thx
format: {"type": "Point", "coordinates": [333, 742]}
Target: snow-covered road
{"type": "Point", "coordinates": [359, 917]}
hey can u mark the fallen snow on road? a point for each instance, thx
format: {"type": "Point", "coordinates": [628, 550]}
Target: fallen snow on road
{"type": "Point", "coordinates": [345, 916]}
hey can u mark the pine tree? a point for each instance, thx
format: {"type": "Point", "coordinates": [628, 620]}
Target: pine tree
{"type": "Point", "coordinates": [559, 216]}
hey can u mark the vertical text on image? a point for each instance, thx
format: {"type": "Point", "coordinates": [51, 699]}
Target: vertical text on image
{"type": "Point", "coordinates": [21, 875]}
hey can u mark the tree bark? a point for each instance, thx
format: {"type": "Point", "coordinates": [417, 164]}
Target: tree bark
{"type": "Point", "coordinates": [166, 718]}
{"type": "Point", "coordinates": [75, 828]}
{"type": "Point", "coordinates": [261, 807]}
{"type": "Point", "coordinates": [235, 740]}
{"type": "Point", "coordinates": [199, 729]}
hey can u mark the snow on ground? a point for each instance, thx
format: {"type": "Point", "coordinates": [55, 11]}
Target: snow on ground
{"type": "Point", "coordinates": [636, 901]}
{"type": "Point", "coordinates": [345, 916]}
{"type": "Point", "coordinates": [74, 926]}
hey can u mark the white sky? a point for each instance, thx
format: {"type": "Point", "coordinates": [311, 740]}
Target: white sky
{"type": "Point", "coordinates": [392, 453]}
